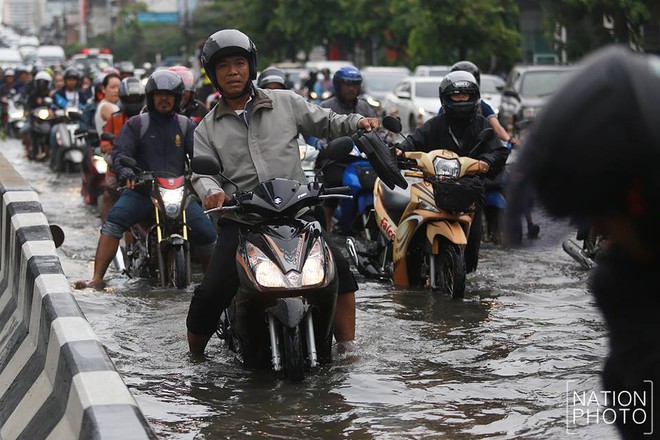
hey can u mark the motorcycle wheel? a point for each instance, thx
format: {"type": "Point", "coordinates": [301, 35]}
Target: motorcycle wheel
{"type": "Point", "coordinates": [178, 268]}
{"type": "Point", "coordinates": [294, 360]}
{"type": "Point", "coordinates": [450, 271]}
{"type": "Point", "coordinates": [495, 223]}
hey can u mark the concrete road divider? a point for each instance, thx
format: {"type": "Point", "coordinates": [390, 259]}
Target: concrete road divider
{"type": "Point", "coordinates": [56, 379]}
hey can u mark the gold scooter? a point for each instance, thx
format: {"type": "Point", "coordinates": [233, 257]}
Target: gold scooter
{"type": "Point", "coordinates": [425, 227]}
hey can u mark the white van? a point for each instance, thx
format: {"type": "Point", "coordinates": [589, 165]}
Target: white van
{"type": "Point", "coordinates": [50, 56]}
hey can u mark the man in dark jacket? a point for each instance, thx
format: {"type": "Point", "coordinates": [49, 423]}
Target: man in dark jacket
{"type": "Point", "coordinates": [163, 147]}
{"type": "Point", "coordinates": [458, 130]}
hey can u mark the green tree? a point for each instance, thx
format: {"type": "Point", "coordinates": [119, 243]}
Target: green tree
{"type": "Point", "coordinates": [591, 24]}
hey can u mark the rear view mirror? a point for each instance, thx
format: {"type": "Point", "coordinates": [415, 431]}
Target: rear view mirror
{"type": "Point", "coordinates": [107, 137]}
{"type": "Point", "coordinates": [403, 95]}
{"type": "Point", "coordinates": [129, 162]}
{"type": "Point", "coordinates": [486, 134]}
{"type": "Point", "coordinates": [339, 148]}
{"type": "Point", "coordinates": [392, 124]}
{"type": "Point", "coordinates": [205, 165]}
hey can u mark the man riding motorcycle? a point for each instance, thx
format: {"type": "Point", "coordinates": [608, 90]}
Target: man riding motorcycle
{"type": "Point", "coordinates": [162, 148]}
{"type": "Point", "coordinates": [253, 134]}
{"type": "Point", "coordinates": [190, 105]}
{"type": "Point", "coordinates": [457, 129]}
{"type": "Point", "coordinates": [347, 83]}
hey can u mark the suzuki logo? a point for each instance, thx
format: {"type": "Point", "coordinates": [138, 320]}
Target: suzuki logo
{"type": "Point", "coordinates": [277, 200]}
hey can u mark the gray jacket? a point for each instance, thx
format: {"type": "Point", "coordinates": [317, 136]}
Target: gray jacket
{"type": "Point", "coordinates": [267, 147]}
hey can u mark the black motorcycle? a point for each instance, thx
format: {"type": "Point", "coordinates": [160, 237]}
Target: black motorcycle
{"type": "Point", "coordinates": [282, 314]}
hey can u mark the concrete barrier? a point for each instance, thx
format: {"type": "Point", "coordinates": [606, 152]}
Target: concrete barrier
{"type": "Point", "coordinates": [56, 379]}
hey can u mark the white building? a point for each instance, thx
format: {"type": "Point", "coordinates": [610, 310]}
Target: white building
{"type": "Point", "coordinates": [28, 15]}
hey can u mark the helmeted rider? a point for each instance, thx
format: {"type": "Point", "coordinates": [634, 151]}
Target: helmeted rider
{"type": "Point", "coordinates": [132, 99]}
{"type": "Point", "coordinates": [457, 129]}
{"type": "Point", "coordinates": [252, 132]}
{"type": "Point", "coordinates": [347, 84]}
{"type": "Point", "coordinates": [70, 95]}
{"type": "Point", "coordinates": [162, 148]}
{"type": "Point", "coordinates": [38, 97]}
{"type": "Point", "coordinates": [190, 105]}
{"type": "Point", "coordinates": [486, 111]}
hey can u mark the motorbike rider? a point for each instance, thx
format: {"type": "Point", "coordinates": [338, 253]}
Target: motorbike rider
{"type": "Point", "coordinates": [65, 97]}
{"type": "Point", "coordinates": [162, 148]}
{"type": "Point", "coordinates": [132, 98]}
{"type": "Point", "coordinates": [8, 86]}
{"type": "Point", "coordinates": [38, 96]}
{"type": "Point", "coordinates": [253, 133]}
{"type": "Point", "coordinates": [457, 130]}
{"type": "Point", "coordinates": [607, 119]}
{"type": "Point", "coordinates": [108, 105]}
{"type": "Point", "coordinates": [347, 83]}
{"type": "Point", "coordinates": [190, 105]}
{"type": "Point", "coordinates": [486, 110]}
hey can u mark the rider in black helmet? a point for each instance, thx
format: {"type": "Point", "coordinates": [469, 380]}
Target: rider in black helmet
{"type": "Point", "coordinates": [164, 146]}
{"type": "Point", "coordinates": [457, 129]}
{"type": "Point", "coordinates": [591, 155]}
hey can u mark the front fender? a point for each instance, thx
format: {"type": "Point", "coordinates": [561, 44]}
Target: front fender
{"type": "Point", "coordinates": [289, 311]}
{"type": "Point", "coordinates": [451, 230]}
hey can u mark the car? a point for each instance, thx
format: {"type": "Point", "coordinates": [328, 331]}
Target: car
{"type": "Point", "coordinates": [10, 58]}
{"type": "Point", "coordinates": [50, 56]}
{"type": "Point", "coordinates": [527, 88]}
{"type": "Point", "coordinates": [491, 90]}
{"type": "Point", "coordinates": [377, 82]}
{"type": "Point", "coordinates": [414, 100]}
{"type": "Point", "coordinates": [439, 70]}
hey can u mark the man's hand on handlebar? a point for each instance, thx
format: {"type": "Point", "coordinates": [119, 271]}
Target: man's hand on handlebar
{"type": "Point", "coordinates": [368, 124]}
{"type": "Point", "coordinates": [215, 200]}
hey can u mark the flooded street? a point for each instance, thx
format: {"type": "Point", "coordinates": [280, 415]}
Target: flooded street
{"type": "Point", "coordinates": [495, 365]}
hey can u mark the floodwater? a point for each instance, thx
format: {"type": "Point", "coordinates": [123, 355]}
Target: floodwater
{"type": "Point", "coordinates": [503, 363]}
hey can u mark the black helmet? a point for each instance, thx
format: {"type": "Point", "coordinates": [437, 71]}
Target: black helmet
{"type": "Point", "coordinates": [460, 82]}
{"type": "Point", "coordinates": [467, 66]}
{"type": "Point", "coordinates": [167, 81]}
{"type": "Point", "coordinates": [72, 72]}
{"type": "Point", "coordinates": [603, 116]}
{"type": "Point", "coordinates": [272, 75]}
{"type": "Point", "coordinates": [131, 95]}
{"type": "Point", "coordinates": [224, 43]}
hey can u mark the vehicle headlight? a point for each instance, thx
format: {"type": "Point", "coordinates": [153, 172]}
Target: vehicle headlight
{"type": "Point", "coordinates": [446, 167]}
{"type": "Point", "coordinates": [372, 102]}
{"type": "Point", "coordinates": [314, 269]}
{"type": "Point", "coordinates": [100, 164]}
{"type": "Point", "coordinates": [172, 199]}
{"type": "Point", "coordinates": [266, 273]}
{"type": "Point", "coordinates": [43, 113]}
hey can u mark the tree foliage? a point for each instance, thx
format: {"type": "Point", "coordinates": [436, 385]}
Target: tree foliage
{"type": "Point", "coordinates": [591, 24]}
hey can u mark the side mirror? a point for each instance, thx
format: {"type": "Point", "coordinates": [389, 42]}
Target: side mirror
{"type": "Point", "coordinates": [74, 116]}
{"type": "Point", "coordinates": [129, 162]}
{"type": "Point", "coordinates": [205, 165]}
{"type": "Point", "coordinates": [392, 124]}
{"type": "Point", "coordinates": [511, 93]}
{"type": "Point", "coordinates": [486, 134]}
{"type": "Point", "coordinates": [403, 95]}
{"type": "Point", "coordinates": [339, 148]}
{"type": "Point", "coordinates": [107, 137]}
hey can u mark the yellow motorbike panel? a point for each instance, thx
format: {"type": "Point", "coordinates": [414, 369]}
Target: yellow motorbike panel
{"type": "Point", "coordinates": [452, 230]}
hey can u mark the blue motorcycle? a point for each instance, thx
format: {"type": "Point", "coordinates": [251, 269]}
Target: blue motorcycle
{"type": "Point", "coordinates": [494, 206]}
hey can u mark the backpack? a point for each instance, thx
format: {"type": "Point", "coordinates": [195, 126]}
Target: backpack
{"type": "Point", "coordinates": [144, 124]}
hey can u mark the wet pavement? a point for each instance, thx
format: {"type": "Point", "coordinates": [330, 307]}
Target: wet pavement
{"type": "Point", "coordinates": [500, 364]}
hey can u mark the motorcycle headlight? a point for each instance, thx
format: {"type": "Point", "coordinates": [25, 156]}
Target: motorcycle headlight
{"type": "Point", "coordinates": [528, 113]}
{"type": "Point", "coordinates": [266, 273]}
{"type": "Point", "coordinates": [100, 164]}
{"type": "Point", "coordinates": [172, 199]}
{"type": "Point", "coordinates": [372, 102]}
{"type": "Point", "coordinates": [314, 269]}
{"type": "Point", "coordinates": [43, 113]}
{"type": "Point", "coordinates": [446, 167]}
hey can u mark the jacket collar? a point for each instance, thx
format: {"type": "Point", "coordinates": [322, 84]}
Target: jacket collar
{"type": "Point", "coordinates": [259, 100]}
